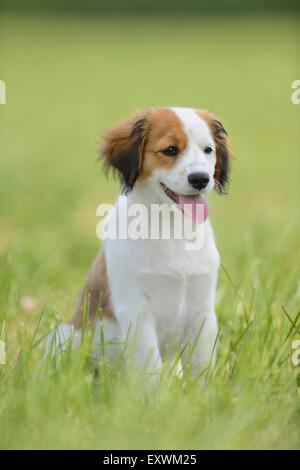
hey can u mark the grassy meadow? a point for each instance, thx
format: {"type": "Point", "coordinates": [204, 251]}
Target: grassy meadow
{"type": "Point", "coordinates": [69, 78]}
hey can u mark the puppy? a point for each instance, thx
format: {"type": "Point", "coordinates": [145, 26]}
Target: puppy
{"type": "Point", "coordinates": [155, 294]}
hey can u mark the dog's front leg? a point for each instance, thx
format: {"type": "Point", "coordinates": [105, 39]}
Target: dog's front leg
{"type": "Point", "coordinates": [140, 342]}
{"type": "Point", "coordinates": [200, 346]}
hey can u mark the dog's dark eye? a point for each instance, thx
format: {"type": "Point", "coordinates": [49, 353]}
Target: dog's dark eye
{"type": "Point", "coordinates": [208, 149]}
{"type": "Point", "coordinates": [171, 151]}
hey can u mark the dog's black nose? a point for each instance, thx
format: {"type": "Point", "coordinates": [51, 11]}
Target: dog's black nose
{"type": "Point", "coordinates": [198, 180]}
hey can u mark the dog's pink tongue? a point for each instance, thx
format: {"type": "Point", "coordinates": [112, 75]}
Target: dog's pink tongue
{"type": "Point", "coordinates": [194, 207]}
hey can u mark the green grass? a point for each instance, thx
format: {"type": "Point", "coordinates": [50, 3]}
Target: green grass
{"type": "Point", "coordinates": [67, 80]}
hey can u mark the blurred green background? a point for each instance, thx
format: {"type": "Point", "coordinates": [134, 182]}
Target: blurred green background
{"type": "Point", "coordinates": [70, 74]}
{"type": "Point", "coordinates": [154, 6]}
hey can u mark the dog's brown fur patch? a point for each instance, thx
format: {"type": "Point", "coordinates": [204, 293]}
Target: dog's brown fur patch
{"type": "Point", "coordinates": [95, 296]}
{"type": "Point", "coordinates": [165, 130]}
{"type": "Point", "coordinates": [223, 153]}
{"type": "Point", "coordinates": [123, 147]}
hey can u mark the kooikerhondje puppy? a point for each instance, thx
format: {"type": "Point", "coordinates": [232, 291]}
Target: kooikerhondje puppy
{"type": "Point", "coordinates": [155, 293]}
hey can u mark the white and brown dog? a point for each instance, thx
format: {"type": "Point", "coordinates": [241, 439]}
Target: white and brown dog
{"type": "Point", "coordinates": [156, 291]}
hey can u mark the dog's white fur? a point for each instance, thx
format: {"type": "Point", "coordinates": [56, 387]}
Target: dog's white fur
{"type": "Point", "coordinates": [163, 296]}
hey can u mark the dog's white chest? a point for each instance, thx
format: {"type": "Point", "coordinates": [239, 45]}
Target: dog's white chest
{"type": "Point", "coordinates": [178, 288]}
{"type": "Point", "coordinates": [164, 280]}
{"type": "Point", "coordinates": [166, 298]}
{"type": "Point", "coordinates": [174, 301]}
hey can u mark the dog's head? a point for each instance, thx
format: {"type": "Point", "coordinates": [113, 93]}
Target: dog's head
{"type": "Point", "coordinates": [182, 152]}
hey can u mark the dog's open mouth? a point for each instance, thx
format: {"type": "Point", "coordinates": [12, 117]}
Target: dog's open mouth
{"type": "Point", "coordinates": [194, 206]}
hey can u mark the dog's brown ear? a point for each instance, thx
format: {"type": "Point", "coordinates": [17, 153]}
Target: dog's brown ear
{"type": "Point", "coordinates": [123, 147]}
{"type": "Point", "coordinates": [223, 155]}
